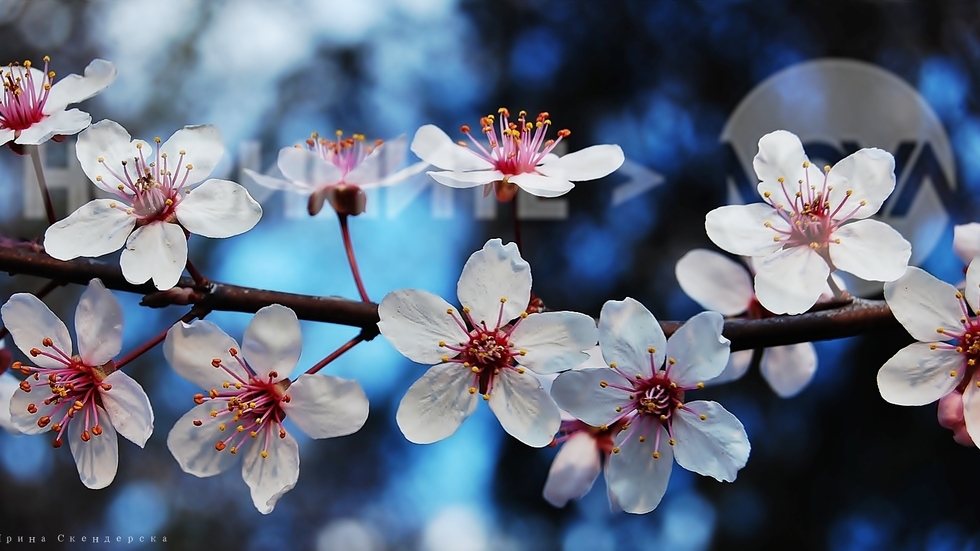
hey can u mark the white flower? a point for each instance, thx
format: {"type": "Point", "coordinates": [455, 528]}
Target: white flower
{"type": "Point", "coordinates": [8, 385]}
{"type": "Point", "coordinates": [723, 285]}
{"type": "Point", "coordinates": [812, 223]}
{"type": "Point", "coordinates": [647, 402]}
{"type": "Point", "coordinates": [484, 350]}
{"type": "Point", "coordinates": [155, 207]}
{"type": "Point", "coordinates": [520, 156]}
{"type": "Point", "coordinates": [338, 171]}
{"type": "Point", "coordinates": [33, 106]}
{"type": "Point", "coordinates": [81, 397]}
{"type": "Point", "coordinates": [248, 395]}
{"type": "Point", "coordinates": [945, 359]}
{"type": "Point", "coordinates": [966, 241]}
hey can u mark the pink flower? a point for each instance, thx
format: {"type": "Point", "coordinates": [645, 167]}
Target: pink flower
{"type": "Point", "coordinates": [32, 108]}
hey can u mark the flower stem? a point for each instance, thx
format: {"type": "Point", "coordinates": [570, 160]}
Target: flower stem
{"type": "Point", "coordinates": [336, 354]}
{"type": "Point", "coordinates": [839, 294]}
{"type": "Point", "coordinates": [148, 345]}
{"type": "Point", "coordinates": [43, 292]}
{"type": "Point", "coordinates": [39, 172]}
{"type": "Point", "coordinates": [199, 280]}
{"type": "Point", "coordinates": [349, 247]}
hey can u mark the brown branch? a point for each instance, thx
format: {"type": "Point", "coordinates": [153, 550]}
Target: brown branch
{"type": "Point", "coordinates": [858, 317]}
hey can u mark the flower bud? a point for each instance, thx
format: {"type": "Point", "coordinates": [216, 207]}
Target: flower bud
{"type": "Point", "coordinates": [950, 416]}
{"type": "Point", "coordinates": [344, 198]}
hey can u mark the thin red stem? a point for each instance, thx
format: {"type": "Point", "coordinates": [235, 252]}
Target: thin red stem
{"type": "Point", "coordinates": [199, 280]}
{"type": "Point", "coordinates": [349, 247]}
{"type": "Point", "coordinates": [43, 292]}
{"type": "Point", "coordinates": [148, 345]}
{"type": "Point", "coordinates": [336, 354]}
{"type": "Point", "coordinates": [39, 172]}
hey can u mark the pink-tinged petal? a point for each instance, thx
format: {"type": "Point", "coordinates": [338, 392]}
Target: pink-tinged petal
{"type": "Point", "coordinates": [380, 163]}
{"type": "Point", "coordinates": [97, 459]}
{"type": "Point", "coordinates": [741, 229]}
{"type": "Point", "coordinates": [554, 341]}
{"type": "Point", "coordinates": [923, 304]}
{"type": "Point", "coordinates": [98, 75]}
{"type": "Point", "coordinates": [415, 322]}
{"type": "Point", "coordinates": [198, 146]}
{"type": "Point", "coordinates": [191, 348]}
{"type": "Point", "coordinates": [868, 176]}
{"type": "Point", "coordinates": [436, 404]}
{"type": "Point", "coordinates": [966, 241]}
{"type": "Point", "coordinates": [218, 208]}
{"type": "Point", "coordinates": [636, 478]}
{"type": "Point", "coordinates": [307, 168]}
{"type": "Point", "coordinates": [433, 146]}
{"type": "Point", "coordinates": [590, 163]}
{"type": "Point", "coordinates": [21, 418]}
{"type": "Point", "coordinates": [194, 446]}
{"type": "Point", "coordinates": [8, 386]}
{"type": "Point", "coordinates": [95, 229]}
{"type": "Point", "coordinates": [462, 180]}
{"type": "Point", "coordinates": [710, 441]}
{"type": "Point", "coordinates": [715, 281]}
{"type": "Point", "coordinates": [574, 470]}
{"type": "Point", "coordinates": [950, 411]}
{"type": "Point", "coordinates": [269, 478]}
{"type": "Point", "coordinates": [278, 183]}
{"type": "Point", "coordinates": [627, 332]}
{"type": "Point", "coordinates": [790, 281]}
{"type": "Point", "coordinates": [492, 274]}
{"type": "Point", "coordinates": [128, 407]}
{"type": "Point", "coordinates": [324, 406]}
{"type": "Point", "coordinates": [63, 123]}
{"type": "Point", "coordinates": [524, 409]}
{"type": "Point", "coordinates": [698, 351]}
{"type": "Point", "coordinates": [273, 342]}
{"type": "Point", "coordinates": [542, 185]}
{"type": "Point", "coordinates": [156, 251]}
{"type": "Point", "coordinates": [111, 142]}
{"type": "Point", "coordinates": [871, 250]}
{"type": "Point", "coordinates": [780, 155]}
{"type": "Point", "coordinates": [917, 375]}
{"type": "Point", "coordinates": [583, 394]}
{"type": "Point", "coordinates": [30, 322]}
{"type": "Point", "coordinates": [971, 409]}
{"type": "Point", "coordinates": [789, 369]}
{"type": "Point", "coordinates": [971, 290]}
{"type": "Point", "coordinates": [98, 324]}
{"type": "Point", "coordinates": [738, 364]}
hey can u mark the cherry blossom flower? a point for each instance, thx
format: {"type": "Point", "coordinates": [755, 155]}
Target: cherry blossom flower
{"type": "Point", "coordinates": [248, 394]}
{"type": "Point", "coordinates": [484, 350]}
{"type": "Point", "coordinates": [521, 156]}
{"type": "Point", "coordinates": [943, 364]}
{"type": "Point", "coordinates": [8, 385]}
{"type": "Point", "coordinates": [338, 171]}
{"type": "Point", "coordinates": [812, 223]}
{"type": "Point", "coordinates": [647, 402]}
{"type": "Point", "coordinates": [33, 106]}
{"type": "Point", "coordinates": [725, 286]}
{"type": "Point", "coordinates": [154, 208]}
{"type": "Point", "coordinates": [80, 397]}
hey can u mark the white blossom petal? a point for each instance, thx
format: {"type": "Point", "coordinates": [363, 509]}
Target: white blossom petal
{"type": "Point", "coordinates": [98, 75]}
{"type": "Point", "coordinates": [415, 322]}
{"type": "Point", "coordinates": [462, 180]}
{"type": "Point", "coordinates": [923, 304]}
{"type": "Point", "coordinates": [95, 229]}
{"type": "Point", "coordinates": [871, 250]}
{"type": "Point", "coordinates": [128, 407]}
{"type": "Point", "coordinates": [199, 146]}
{"type": "Point", "coordinates": [525, 410]}
{"type": "Point", "coordinates": [324, 406]}
{"type": "Point", "coordinates": [741, 229]}
{"type": "Point", "coordinates": [966, 241]}
{"type": "Point", "coordinates": [590, 163]}
{"type": "Point", "coordinates": [738, 364]}
{"type": "Point", "coordinates": [59, 123]}
{"type": "Point", "coordinates": [971, 408]}
{"type": "Point", "coordinates": [269, 478]}
{"type": "Point", "coordinates": [715, 281]}
{"type": "Point", "coordinates": [381, 162]}
{"type": "Point", "coordinates": [22, 419]}
{"type": "Point", "coordinates": [8, 386]}
{"type": "Point", "coordinates": [971, 290]}
{"type": "Point", "coordinates": [433, 146]}
{"type": "Point", "coordinates": [780, 155]}
{"type": "Point", "coordinates": [156, 251]}
{"type": "Point", "coordinates": [789, 369]}
{"type": "Point", "coordinates": [542, 185]}
{"type": "Point", "coordinates": [194, 446]}
{"type": "Point", "coordinates": [710, 440]}
{"type": "Point", "coordinates": [791, 280]}
{"type": "Point", "coordinates": [111, 142]}
{"type": "Point", "coordinates": [190, 349]}
{"type": "Point", "coordinates": [97, 459]}
{"type": "Point", "coordinates": [554, 341]}
{"type": "Point", "coordinates": [30, 321]}
{"type": "Point", "coordinates": [583, 394]}
{"type": "Point", "coordinates": [698, 350]}
{"type": "Point", "coordinates": [98, 324]}
{"type": "Point", "coordinates": [400, 176]}
{"type": "Point", "coordinates": [273, 342]}
{"type": "Point", "coordinates": [869, 176]}
{"type": "Point", "coordinates": [627, 331]}
{"type": "Point", "coordinates": [7, 135]}
{"type": "Point", "coordinates": [437, 403]}
{"type": "Point", "coordinates": [491, 274]}
{"type": "Point", "coordinates": [636, 478]}
{"type": "Point", "coordinates": [278, 183]}
{"type": "Point", "coordinates": [218, 208]}
{"type": "Point", "coordinates": [574, 470]}
{"type": "Point", "coordinates": [307, 168]}
{"type": "Point", "coordinates": [917, 375]}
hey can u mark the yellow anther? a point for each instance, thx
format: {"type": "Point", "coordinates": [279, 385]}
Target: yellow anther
{"type": "Point", "coordinates": [940, 330]}
{"type": "Point", "coordinates": [619, 409]}
{"type": "Point", "coordinates": [615, 450]}
{"type": "Point", "coordinates": [603, 427]}
{"type": "Point", "coordinates": [767, 194]}
{"type": "Point", "coordinates": [671, 361]}
{"type": "Point", "coordinates": [781, 180]}
{"type": "Point", "coordinates": [520, 370]}
{"type": "Point", "coordinates": [222, 427]}
{"type": "Point", "coordinates": [806, 164]}
{"type": "Point", "coordinates": [932, 346]}
{"type": "Point", "coordinates": [445, 358]}
{"type": "Point", "coordinates": [952, 373]}
{"type": "Point", "coordinates": [442, 343]}
{"type": "Point", "coordinates": [523, 315]}
{"type": "Point", "coordinates": [466, 309]}
{"type": "Point", "coordinates": [475, 369]}
{"type": "Point", "coordinates": [264, 454]}
{"type": "Point", "coordinates": [656, 455]}
{"type": "Point", "coordinates": [603, 384]}
{"type": "Point", "coordinates": [826, 168]}
{"type": "Point", "coordinates": [651, 350]}
{"type": "Point", "coordinates": [703, 417]}
{"type": "Point", "coordinates": [522, 352]}
{"type": "Point", "coordinates": [449, 310]}
{"type": "Point", "coordinates": [503, 300]}
{"type": "Point", "coordinates": [101, 159]}
{"type": "Point", "coordinates": [226, 384]}
{"type": "Point", "coordinates": [612, 365]}
{"type": "Point", "coordinates": [486, 397]}
{"type": "Point", "coordinates": [472, 390]}
{"type": "Point", "coordinates": [643, 439]}
{"type": "Point", "coordinates": [671, 442]}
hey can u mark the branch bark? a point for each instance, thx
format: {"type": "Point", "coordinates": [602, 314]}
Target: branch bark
{"type": "Point", "coordinates": [858, 317]}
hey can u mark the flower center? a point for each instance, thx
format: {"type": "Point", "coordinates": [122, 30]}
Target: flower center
{"type": "Point", "coordinates": [520, 146]}
{"type": "Point", "coordinates": [344, 153]}
{"type": "Point", "coordinates": [23, 98]}
{"type": "Point", "coordinates": [153, 185]}
{"type": "Point", "coordinates": [253, 407]}
{"type": "Point", "coordinates": [487, 351]}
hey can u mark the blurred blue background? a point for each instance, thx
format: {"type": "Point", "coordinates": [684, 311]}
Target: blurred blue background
{"type": "Point", "coordinates": [686, 88]}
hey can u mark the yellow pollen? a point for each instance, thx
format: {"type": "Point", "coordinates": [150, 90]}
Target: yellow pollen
{"type": "Point", "coordinates": [520, 370]}
{"type": "Point", "coordinates": [700, 384]}
{"type": "Point", "coordinates": [612, 365]}
{"type": "Point", "coordinates": [952, 373]}
{"type": "Point", "coordinates": [603, 384]}
{"type": "Point", "coordinates": [932, 346]}
{"type": "Point", "coordinates": [619, 409]}
{"type": "Point", "coordinates": [445, 358]}
{"type": "Point", "coordinates": [226, 384]}
{"type": "Point", "coordinates": [643, 439]}
{"type": "Point", "coordinates": [703, 417]}
{"type": "Point", "coordinates": [806, 164]}
{"type": "Point", "coordinates": [442, 343]}
{"type": "Point", "coordinates": [486, 397]}
{"type": "Point", "coordinates": [503, 300]}
{"type": "Point", "coordinates": [475, 369]}
{"type": "Point", "coordinates": [603, 427]}
{"type": "Point", "coordinates": [101, 159]}
{"type": "Point", "coordinates": [264, 454]}
{"type": "Point", "coordinates": [222, 427]}
{"type": "Point", "coordinates": [656, 455]}
{"type": "Point", "coordinates": [671, 361]}
{"type": "Point", "coordinates": [449, 311]}
{"type": "Point", "coordinates": [651, 350]}
{"type": "Point", "coordinates": [671, 442]}
{"type": "Point", "coordinates": [615, 450]}
{"type": "Point", "coordinates": [472, 390]}
{"type": "Point", "coordinates": [466, 309]}
{"type": "Point", "coordinates": [826, 168]}
{"type": "Point", "coordinates": [767, 194]}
